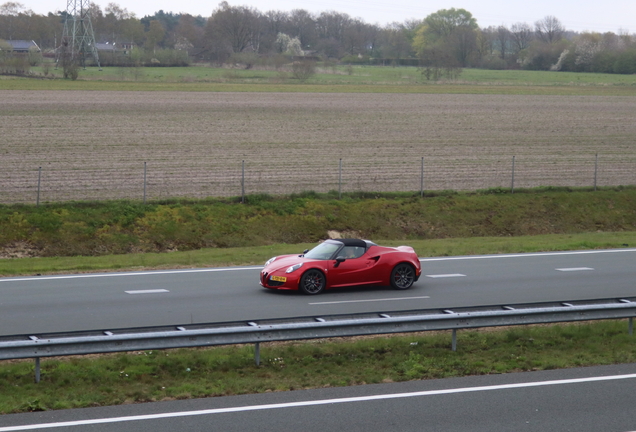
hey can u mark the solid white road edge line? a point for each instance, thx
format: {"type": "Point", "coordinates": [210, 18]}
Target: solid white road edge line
{"type": "Point", "coordinates": [574, 269]}
{"type": "Point", "coordinates": [539, 254]}
{"type": "Point", "coordinates": [434, 276]}
{"type": "Point", "coordinates": [159, 272]}
{"type": "Point", "coordinates": [315, 403]}
{"type": "Point", "coordinates": [369, 300]}
{"type": "Point", "coordinates": [148, 291]}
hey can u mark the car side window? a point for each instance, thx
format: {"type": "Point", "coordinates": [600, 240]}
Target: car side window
{"type": "Point", "coordinates": [352, 252]}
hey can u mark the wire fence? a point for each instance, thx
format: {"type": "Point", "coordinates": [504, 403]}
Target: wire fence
{"type": "Point", "coordinates": [147, 181]}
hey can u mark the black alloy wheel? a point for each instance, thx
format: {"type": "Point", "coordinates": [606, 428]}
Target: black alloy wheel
{"type": "Point", "coordinates": [312, 282]}
{"type": "Point", "coordinates": [402, 276]}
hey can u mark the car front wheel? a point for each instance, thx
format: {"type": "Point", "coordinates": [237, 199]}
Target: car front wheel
{"type": "Point", "coordinates": [312, 282]}
{"type": "Point", "coordinates": [402, 276]}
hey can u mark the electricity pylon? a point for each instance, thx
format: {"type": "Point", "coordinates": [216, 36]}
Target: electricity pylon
{"type": "Point", "coordinates": [78, 38]}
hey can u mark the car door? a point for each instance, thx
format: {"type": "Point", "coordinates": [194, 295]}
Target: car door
{"type": "Point", "coordinates": [356, 269]}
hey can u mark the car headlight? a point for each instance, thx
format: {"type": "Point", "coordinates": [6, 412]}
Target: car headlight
{"type": "Point", "coordinates": [269, 261]}
{"type": "Point", "coordinates": [294, 268]}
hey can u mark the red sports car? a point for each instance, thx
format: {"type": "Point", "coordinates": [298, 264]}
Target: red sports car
{"type": "Point", "coordinates": [340, 263]}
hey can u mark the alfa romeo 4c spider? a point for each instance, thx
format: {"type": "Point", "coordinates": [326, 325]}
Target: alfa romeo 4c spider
{"type": "Point", "coordinates": [341, 263]}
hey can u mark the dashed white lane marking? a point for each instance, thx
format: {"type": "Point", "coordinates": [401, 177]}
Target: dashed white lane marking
{"type": "Point", "coordinates": [574, 269]}
{"type": "Point", "coordinates": [314, 403]}
{"type": "Point", "coordinates": [370, 300]}
{"type": "Point", "coordinates": [446, 275]}
{"type": "Point", "coordinates": [149, 291]}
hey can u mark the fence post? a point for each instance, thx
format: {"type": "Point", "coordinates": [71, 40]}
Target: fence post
{"type": "Point", "coordinates": [144, 183]}
{"type": "Point", "coordinates": [422, 179]}
{"type": "Point", "coordinates": [340, 178]}
{"type": "Point", "coordinates": [37, 202]}
{"type": "Point", "coordinates": [512, 186]}
{"type": "Point", "coordinates": [595, 170]}
{"type": "Point", "coordinates": [37, 370]}
{"type": "Point", "coordinates": [243, 182]}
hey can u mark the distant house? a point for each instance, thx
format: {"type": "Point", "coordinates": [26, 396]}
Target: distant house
{"type": "Point", "coordinates": [105, 47]}
{"type": "Point", "coordinates": [114, 48]}
{"type": "Point", "coordinates": [23, 46]}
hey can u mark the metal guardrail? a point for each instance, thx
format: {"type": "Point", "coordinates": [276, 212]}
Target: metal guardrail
{"type": "Point", "coordinates": [248, 332]}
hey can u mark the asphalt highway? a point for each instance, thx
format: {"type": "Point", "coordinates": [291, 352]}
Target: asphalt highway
{"type": "Point", "coordinates": [102, 301]}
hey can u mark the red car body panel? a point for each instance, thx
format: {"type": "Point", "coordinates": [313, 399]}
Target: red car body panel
{"type": "Point", "coordinates": [374, 267]}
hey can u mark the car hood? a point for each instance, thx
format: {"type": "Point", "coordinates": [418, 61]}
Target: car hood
{"type": "Point", "coordinates": [283, 262]}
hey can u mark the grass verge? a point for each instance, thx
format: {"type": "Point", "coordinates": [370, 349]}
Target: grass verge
{"type": "Point", "coordinates": [181, 374]}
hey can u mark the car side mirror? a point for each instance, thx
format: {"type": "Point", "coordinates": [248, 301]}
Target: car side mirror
{"type": "Point", "coordinates": [339, 260]}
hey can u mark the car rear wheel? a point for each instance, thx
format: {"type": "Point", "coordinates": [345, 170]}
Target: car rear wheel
{"type": "Point", "coordinates": [402, 276]}
{"type": "Point", "coordinates": [312, 282]}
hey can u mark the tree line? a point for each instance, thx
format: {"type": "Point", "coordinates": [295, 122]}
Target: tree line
{"type": "Point", "coordinates": [441, 44]}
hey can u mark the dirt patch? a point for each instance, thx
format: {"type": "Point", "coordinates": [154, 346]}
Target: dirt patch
{"type": "Point", "coordinates": [95, 145]}
{"type": "Point", "coordinates": [19, 250]}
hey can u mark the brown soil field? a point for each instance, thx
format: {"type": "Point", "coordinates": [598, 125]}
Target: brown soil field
{"type": "Point", "coordinates": [93, 145]}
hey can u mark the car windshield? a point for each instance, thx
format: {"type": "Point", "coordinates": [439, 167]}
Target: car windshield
{"type": "Point", "coordinates": [324, 251]}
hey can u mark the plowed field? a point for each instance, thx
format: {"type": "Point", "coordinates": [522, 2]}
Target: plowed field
{"type": "Point", "coordinates": [93, 145]}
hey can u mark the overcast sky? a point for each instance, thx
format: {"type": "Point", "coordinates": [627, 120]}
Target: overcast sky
{"type": "Point", "coordinates": [577, 15]}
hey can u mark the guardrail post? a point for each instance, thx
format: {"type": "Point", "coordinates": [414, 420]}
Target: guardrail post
{"type": "Point", "coordinates": [37, 370]}
{"type": "Point", "coordinates": [454, 344]}
{"type": "Point", "coordinates": [631, 326]}
{"type": "Point", "coordinates": [257, 353]}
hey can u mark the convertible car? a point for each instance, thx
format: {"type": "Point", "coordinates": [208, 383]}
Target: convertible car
{"type": "Point", "coordinates": [340, 263]}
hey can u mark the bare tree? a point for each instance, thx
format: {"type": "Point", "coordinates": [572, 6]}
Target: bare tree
{"type": "Point", "coordinates": [395, 42]}
{"type": "Point", "coordinates": [14, 21]}
{"type": "Point", "coordinates": [503, 40]}
{"type": "Point", "coordinates": [521, 35]}
{"type": "Point", "coordinates": [233, 27]}
{"type": "Point", "coordinates": [302, 25]}
{"type": "Point", "coordinates": [354, 38]}
{"type": "Point", "coordinates": [549, 29]}
{"type": "Point", "coordinates": [465, 44]}
{"type": "Point", "coordinates": [332, 25]}
{"type": "Point", "coordinates": [485, 42]}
